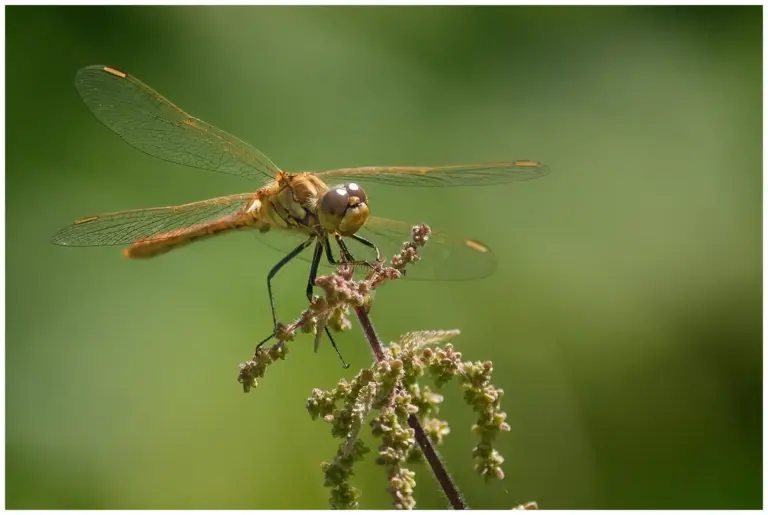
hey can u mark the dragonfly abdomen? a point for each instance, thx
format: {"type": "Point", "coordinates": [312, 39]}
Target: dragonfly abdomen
{"type": "Point", "coordinates": [167, 241]}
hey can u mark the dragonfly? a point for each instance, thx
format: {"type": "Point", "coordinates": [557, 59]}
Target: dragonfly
{"type": "Point", "coordinates": [289, 212]}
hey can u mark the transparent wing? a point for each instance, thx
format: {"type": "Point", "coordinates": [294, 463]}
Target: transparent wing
{"type": "Point", "coordinates": [148, 121]}
{"type": "Point", "coordinates": [480, 174]}
{"type": "Point", "coordinates": [126, 227]}
{"type": "Point", "coordinates": [443, 258]}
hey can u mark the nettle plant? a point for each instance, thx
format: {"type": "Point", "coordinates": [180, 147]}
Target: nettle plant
{"type": "Point", "coordinates": [400, 411]}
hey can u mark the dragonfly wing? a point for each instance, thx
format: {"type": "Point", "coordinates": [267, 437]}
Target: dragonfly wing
{"type": "Point", "coordinates": [480, 174]}
{"type": "Point", "coordinates": [148, 121]}
{"type": "Point", "coordinates": [444, 257]}
{"type": "Point", "coordinates": [126, 227]}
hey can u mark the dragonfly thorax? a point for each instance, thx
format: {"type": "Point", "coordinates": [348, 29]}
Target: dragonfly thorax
{"type": "Point", "coordinates": [294, 201]}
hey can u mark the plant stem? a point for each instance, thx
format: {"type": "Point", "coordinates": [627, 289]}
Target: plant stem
{"type": "Point", "coordinates": [438, 469]}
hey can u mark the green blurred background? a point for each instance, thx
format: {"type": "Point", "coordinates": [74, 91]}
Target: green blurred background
{"type": "Point", "coordinates": [624, 319]}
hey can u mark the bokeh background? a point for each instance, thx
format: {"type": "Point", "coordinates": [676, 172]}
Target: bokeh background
{"type": "Point", "coordinates": [624, 318]}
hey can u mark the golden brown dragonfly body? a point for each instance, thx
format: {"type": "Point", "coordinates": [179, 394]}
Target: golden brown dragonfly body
{"type": "Point", "coordinates": [299, 205]}
{"type": "Point", "coordinates": [291, 202]}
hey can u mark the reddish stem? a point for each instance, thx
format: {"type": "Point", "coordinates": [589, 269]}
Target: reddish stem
{"type": "Point", "coordinates": [438, 469]}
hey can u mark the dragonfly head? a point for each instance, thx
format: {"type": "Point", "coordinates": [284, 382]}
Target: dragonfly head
{"type": "Point", "coordinates": [344, 209]}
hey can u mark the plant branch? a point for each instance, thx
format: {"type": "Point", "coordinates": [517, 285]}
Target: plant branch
{"type": "Point", "coordinates": [430, 453]}
{"type": "Point", "coordinates": [390, 387]}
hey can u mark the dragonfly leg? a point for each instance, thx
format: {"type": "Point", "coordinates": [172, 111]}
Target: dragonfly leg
{"type": "Point", "coordinates": [313, 269]}
{"type": "Point", "coordinates": [338, 352]}
{"type": "Point", "coordinates": [367, 243]}
{"type": "Point", "coordinates": [346, 255]}
{"type": "Point", "coordinates": [280, 264]}
{"type": "Point", "coordinates": [310, 291]}
{"type": "Point", "coordinates": [344, 259]}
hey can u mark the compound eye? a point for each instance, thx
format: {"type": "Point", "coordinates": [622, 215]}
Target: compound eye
{"type": "Point", "coordinates": [335, 201]}
{"type": "Point", "coordinates": [343, 209]}
{"type": "Point", "coordinates": [354, 190]}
